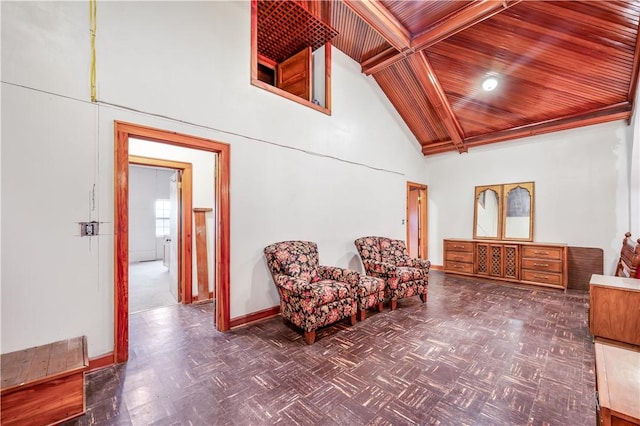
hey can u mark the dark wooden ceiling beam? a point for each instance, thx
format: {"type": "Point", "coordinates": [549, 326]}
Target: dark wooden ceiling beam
{"type": "Point", "coordinates": [429, 82]}
{"type": "Point", "coordinates": [620, 111]}
{"type": "Point", "coordinates": [462, 19]}
{"type": "Point", "coordinates": [380, 19]}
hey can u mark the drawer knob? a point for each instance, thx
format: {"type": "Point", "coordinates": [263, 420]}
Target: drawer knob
{"type": "Point", "coordinates": [541, 252]}
{"type": "Point", "coordinates": [541, 277]}
{"type": "Point", "coordinates": [543, 265]}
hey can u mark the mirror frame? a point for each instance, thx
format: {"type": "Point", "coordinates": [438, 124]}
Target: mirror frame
{"type": "Point", "coordinates": [503, 192]}
{"type": "Point", "coordinates": [479, 190]}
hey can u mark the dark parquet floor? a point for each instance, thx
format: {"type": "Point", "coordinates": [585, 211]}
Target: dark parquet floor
{"type": "Point", "coordinates": [477, 353]}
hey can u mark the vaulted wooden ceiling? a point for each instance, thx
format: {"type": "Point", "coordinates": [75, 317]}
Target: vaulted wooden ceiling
{"type": "Point", "coordinates": [559, 64]}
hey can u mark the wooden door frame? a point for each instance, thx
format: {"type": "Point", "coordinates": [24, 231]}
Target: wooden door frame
{"type": "Point", "coordinates": [185, 235]}
{"type": "Point", "coordinates": [122, 132]}
{"type": "Point", "coordinates": [423, 249]}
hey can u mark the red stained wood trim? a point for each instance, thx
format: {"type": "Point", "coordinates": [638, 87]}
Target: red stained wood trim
{"type": "Point", "coordinates": [100, 362]}
{"type": "Point", "coordinates": [429, 82]}
{"type": "Point", "coordinates": [121, 245]}
{"type": "Point", "coordinates": [380, 19]}
{"type": "Point", "coordinates": [619, 111]}
{"type": "Point", "coordinates": [201, 253]}
{"type": "Point", "coordinates": [255, 316]}
{"type": "Point", "coordinates": [597, 116]}
{"type": "Point", "coordinates": [222, 222]}
{"type": "Point", "coordinates": [382, 60]}
{"type": "Point", "coordinates": [436, 267]}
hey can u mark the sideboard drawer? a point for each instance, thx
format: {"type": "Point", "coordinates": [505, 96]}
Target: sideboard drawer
{"type": "Point", "coordinates": [542, 265]}
{"type": "Point", "coordinates": [465, 268]}
{"type": "Point", "coordinates": [542, 277]}
{"type": "Point", "coordinates": [542, 252]}
{"type": "Point", "coordinates": [460, 256]}
{"type": "Point", "coordinates": [465, 246]}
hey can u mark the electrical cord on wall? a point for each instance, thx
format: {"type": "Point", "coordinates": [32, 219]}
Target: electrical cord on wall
{"type": "Point", "coordinates": [202, 126]}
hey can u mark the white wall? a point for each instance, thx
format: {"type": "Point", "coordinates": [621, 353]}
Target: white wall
{"type": "Point", "coordinates": [183, 66]}
{"type": "Point", "coordinates": [146, 185]}
{"type": "Point", "coordinates": [581, 187]}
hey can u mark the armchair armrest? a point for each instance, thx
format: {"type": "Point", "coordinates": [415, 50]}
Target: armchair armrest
{"type": "Point", "coordinates": [375, 267]}
{"type": "Point", "coordinates": [421, 263]}
{"type": "Point", "coordinates": [339, 274]}
{"type": "Point", "coordinates": [292, 285]}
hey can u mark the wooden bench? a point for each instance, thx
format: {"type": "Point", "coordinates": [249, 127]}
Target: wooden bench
{"type": "Point", "coordinates": [45, 384]}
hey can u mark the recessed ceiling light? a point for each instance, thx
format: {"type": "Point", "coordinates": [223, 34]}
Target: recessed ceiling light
{"type": "Point", "coordinates": [490, 83]}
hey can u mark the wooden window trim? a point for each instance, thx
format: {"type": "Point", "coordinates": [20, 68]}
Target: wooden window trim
{"type": "Point", "coordinates": [254, 69]}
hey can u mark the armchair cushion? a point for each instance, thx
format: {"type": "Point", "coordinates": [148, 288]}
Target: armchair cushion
{"type": "Point", "coordinates": [394, 251]}
{"type": "Point", "coordinates": [339, 274]}
{"type": "Point", "coordinates": [296, 259]}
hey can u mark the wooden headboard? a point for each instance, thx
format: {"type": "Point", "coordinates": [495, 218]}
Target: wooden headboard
{"type": "Point", "coordinates": [629, 263]}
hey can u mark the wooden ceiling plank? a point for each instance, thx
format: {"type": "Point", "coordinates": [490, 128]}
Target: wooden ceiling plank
{"type": "Point", "coordinates": [378, 17]}
{"type": "Point", "coordinates": [613, 113]}
{"type": "Point", "coordinates": [464, 18]}
{"type": "Point", "coordinates": [631, 95]}
{"type": "Point", "coordinates": [412, 102]}
{"type": "Point", "coordinates": [429, 82]}
{"type": "Point", "coordinates": [599, 115]}
{"type": "Point", "coordinates": [461, 20]}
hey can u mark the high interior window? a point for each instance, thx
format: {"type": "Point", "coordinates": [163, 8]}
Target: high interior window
{"type": "Point", "coordinates": [291, 50]}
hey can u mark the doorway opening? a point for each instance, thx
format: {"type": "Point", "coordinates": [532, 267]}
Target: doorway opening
{"type": "Point", "coordinates": [417, 220]}
{"type": "Point", "coordinates": [160, 194]}
{"type": "Point", "coordinates": [221, 226]}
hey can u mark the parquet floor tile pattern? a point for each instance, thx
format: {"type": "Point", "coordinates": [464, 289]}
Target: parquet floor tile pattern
{"type": "Point", "coordinates": [477, 353]}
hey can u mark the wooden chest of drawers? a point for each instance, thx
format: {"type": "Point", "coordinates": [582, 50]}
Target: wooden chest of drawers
{"type": "Point", "coordinates": [458, 256]}
{"type": "Point", "coordinates": [543, 264]}
{"type": "Point", "coordinates": [524, 262]}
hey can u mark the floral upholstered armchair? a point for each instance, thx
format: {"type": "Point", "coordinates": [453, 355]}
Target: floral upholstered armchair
{"type": "Point", "coordinates": [388, 259]}
{"type": "Point", "coordinates": [311, 296]}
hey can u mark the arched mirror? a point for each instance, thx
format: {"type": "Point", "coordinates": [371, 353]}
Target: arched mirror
{"type": "Point", "coordinates": [503, 212]}
{"type": "Point", "coordinates": [487, 212]}
{"type": "Point", "coordinates": [518, 211]}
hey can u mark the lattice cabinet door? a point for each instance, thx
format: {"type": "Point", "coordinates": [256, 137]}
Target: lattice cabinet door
{"type": "Point", "coordinates": [482, 256]}
{"type": "Point", "coordinates": [511, 269]}
{"type": "Point", "coordinates": [495, 260]}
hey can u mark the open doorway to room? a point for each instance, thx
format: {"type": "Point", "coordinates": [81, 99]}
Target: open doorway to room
{"type": "Point", "coordinates": [160, 194]}
{"type": "Point", "coordinates": [127, 134]}
{"type": "Point", "coordinates": [417, 220]}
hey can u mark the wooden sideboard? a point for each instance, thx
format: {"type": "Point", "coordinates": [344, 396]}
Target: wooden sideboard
{"type": "Point", "coordinates": [542, 264]}
{"type": "Point", "coordinates": [618, 385]}
{"type": "Point", "coordinates": [614, 308]}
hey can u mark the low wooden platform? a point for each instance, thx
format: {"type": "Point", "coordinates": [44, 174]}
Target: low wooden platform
{"type": "Point", "coordinates": [45, 384]}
